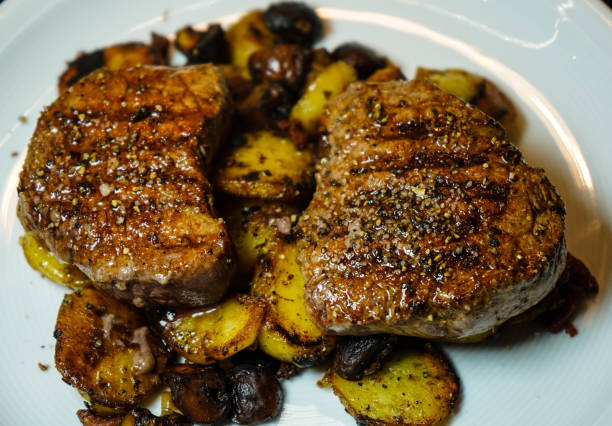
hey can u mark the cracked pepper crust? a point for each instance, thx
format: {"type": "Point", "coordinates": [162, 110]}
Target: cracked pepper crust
{"type": "Point", "coordinates": [426, 221]}
{"type": "Point", "coordinates": [114, 182]}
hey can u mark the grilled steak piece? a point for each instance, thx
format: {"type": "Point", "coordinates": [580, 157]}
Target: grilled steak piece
{"type": "Point", "coordinates": [115, 182]}
{"type": "Point", "coordinates": [426, 221]}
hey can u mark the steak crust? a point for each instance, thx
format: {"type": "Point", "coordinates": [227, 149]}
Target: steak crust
{"type": "Point", "coordinates": [426, 221]}
{"type": "Point", "coordinates": [114, 182]}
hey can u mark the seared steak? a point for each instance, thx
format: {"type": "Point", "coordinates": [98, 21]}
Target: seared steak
{"type": "Point", "coordinates": [114, 182]}
{"type": "Point", "coordinates": [426, 221]}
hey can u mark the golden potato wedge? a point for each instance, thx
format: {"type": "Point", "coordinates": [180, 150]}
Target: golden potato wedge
{"type": "Point", "coordinates": [478, 91]}
{"type": "Point", "coordinates": [253, 225]}
{"type": "Point", "coordinates": [205, 336]}
{"type": "Point", "coordinates": [288, 333]}
{"type": "Point", "coordinates": [416, 386]}
{"type": "Point", "coordinates": [328, 84]}
{"type": "Point", "coordinates": [266, 167]}
{"type": "Point", "coordinates": [40, 258]}
{"type": "Point", "coordinates": [105, 350]}
{"type": "Point", "coordinates": [249, 34]}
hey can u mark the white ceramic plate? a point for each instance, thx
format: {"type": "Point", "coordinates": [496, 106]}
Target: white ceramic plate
{"type": "Point", "coordinates": [554, 58]}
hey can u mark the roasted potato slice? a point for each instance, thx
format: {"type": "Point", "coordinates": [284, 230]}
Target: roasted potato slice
{"type": "Point", "coordinates": [288, 333]}
{"type": "Point", "coordinates": [328, 84]}
{"type": "Point", "coordinates": [253, 225]}
{"type": "Point", "coordinates": [267, 167]}
{"type": "Point", "coordinates": [478, 91]}
{"type": "Point", "coordinates": [249, 34]}
{"type": "Point", "coordinates": [40, 258]}
{"type": "Point", "coordinates": [416, 386]}
{"type": "Point", "coordinates": [207, 335]}
{"type": "Point", "coordinates": [115, 57]}
{"type": "Point", "coordinates": [105, 350]}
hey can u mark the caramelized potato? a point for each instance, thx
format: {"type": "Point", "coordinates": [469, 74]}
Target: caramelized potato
{"type": "Point", "coordinates": [136, 417]}
{"type": "Point", "coordinates": [105, 349]}
{"type": "Point", "coordinates": [203, 46]}
{"type": "Point", "coordinates": [256, 394]}
{"type": "Point", "coordinates": [41, 259]}
{"type": "Point", "coordinates": [328, 84]}
{"type": "Point", "coordinates": [248, 35]}
{"type": "Point", "coordinates": [200, 393]}
{"type": "Point", "coordinates": [115, 57]}
{"type": "Point", "coordinates": [478, 91]}
{"type": "Point", "coordinates": [416, 386]}
{"type": "Point", "coordinates": [288, 333]}
{"type": "Point", "coordinates": [207, 335]}
{"type": "Point", "coordinates": [267, 167]}
{"type": "Point", "coordinates": [253, 225]}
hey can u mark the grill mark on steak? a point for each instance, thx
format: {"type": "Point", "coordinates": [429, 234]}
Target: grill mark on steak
{"type": "Point", "coordinates": [442, 215]}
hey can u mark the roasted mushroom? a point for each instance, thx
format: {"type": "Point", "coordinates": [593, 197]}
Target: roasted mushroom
{"type": "Point", "coordinates": [266, 105]}
{"type": "Point", "coordinates": [358, 356]}
{"type": "Point", "coordinates": [362, 58]}
{"type": "Point", "coordinates": [256, 394]}
{"type": "Point", "coordinates": [203, 46]}
{"type": "Point", "coordinates": [199, 392]}
{"type": "Point", "coordinates": [294, 22]}
{"type": "Point", "coordinates": [284, 63]}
